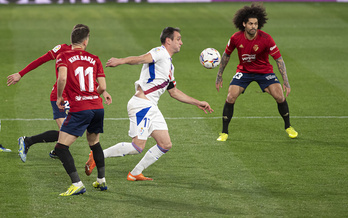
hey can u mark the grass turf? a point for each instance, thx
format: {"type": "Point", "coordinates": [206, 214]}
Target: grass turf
{"type": "Point", "coordinates": [258, 172]}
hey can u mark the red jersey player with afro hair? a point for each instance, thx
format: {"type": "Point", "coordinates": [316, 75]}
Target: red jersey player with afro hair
{"type": "Point", "coordinates": [254, 47]}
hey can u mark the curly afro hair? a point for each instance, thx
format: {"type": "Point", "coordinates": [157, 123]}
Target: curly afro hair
{"type": "Point", "coordinates": [253, 11]}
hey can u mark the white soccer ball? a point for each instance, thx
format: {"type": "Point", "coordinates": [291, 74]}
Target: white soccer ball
{"type": "Point", "coordinates": [210, 58]}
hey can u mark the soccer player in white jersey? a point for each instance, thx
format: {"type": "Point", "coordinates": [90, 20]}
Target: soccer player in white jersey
{"type": "Point", "coordinates": [157, 76]}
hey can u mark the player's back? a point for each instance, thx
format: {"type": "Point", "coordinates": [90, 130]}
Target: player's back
{"type": "Point", "coordinates": [83, 69]}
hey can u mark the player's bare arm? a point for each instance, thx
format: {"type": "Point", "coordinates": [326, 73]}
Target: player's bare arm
{"type": "Point", "coordinates": [182, 97]}
{"type": "Point", "coordinates": [61, 82]}
{"type": "Point", "coordinates": [132, 60]}
{"type": "Point", "coordinates": [224, 61]}
{"type": "Point", "coordinates": [102, 85]}
{"type": "Point", "coordinates": [282, 69]}
{"type": "Point", "coordinates": [13, 79]}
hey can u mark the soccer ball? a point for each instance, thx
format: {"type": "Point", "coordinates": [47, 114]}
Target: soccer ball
{"type": "Point", "coordinates": [210, 58]}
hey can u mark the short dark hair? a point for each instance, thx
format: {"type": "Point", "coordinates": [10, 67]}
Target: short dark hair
{"type": "Point", "coordinates": [256, 10]}
{"type": "Point", "coordinates": [78, 26]}
{"type": "Point", "coordinates": [168, 32]}
{"type": "Point", "coordinates": [79, 33]}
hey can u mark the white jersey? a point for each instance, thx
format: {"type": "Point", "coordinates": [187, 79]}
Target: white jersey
{"type": "Point", "coordinates": [156, 76]}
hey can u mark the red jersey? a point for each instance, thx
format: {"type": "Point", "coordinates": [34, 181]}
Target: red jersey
{"type": "Point", "coordinates": [81, 85]}
{"type": "Point", "coordinates": [253, 54]}
{"type": "Point", "coordinates": [54, 53]}
{"type": "Point", "coordinates": [50, 55]}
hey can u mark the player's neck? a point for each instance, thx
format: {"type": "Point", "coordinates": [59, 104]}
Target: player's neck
{"type": "Point", "coordinates": [168, 50]}
{"type": "Point", "coordinates": [78, 47]}
{"type": "Point", "coordinates": [250, 37]}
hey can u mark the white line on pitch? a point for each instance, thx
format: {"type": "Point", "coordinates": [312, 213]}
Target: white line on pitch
{"type": "Point", "coordinates": [192, 118]}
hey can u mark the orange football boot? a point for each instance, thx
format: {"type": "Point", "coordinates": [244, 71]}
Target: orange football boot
{"type": "Point", "coordinates": [90, 164]}
{"type": "Point", "coordinates": [139, 177]}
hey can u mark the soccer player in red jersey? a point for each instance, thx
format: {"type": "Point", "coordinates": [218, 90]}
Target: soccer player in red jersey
{"type": "Point", "coordinates": [81, 76]}
{"type": "Point", "coordinates": [58, 114]}
{"type": "Point", "coordinates": [254, 47]}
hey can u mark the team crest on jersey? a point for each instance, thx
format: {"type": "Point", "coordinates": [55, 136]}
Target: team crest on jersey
{"type": "Point", "coordinates": [256, 47]}
{"type": "Point", "coordinates": [56, 49]}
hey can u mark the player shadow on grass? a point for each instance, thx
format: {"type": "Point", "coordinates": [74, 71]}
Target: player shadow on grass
{"type": "Point", "coordinates": [169, 204]}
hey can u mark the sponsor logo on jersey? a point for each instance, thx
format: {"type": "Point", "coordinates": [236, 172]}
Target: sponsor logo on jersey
{"type": "Point", "coordinates": [83, 98]}
{"type": "Point", "coordinates": [248, 57]}
{"type": "Point", "coordinates": [241, 46]}
{"type": "Point", "coordinates": [56, 49]}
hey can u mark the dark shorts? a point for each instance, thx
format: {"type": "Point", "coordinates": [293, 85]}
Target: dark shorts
{"type": "Point", "coordinates": [57, 113]}
{"type": "Point", "coordinates": [244, 79]}
{"type": "Point", "coordinates": [76, 123]}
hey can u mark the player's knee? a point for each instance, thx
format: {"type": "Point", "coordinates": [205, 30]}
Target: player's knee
{"type": "Point", "coordinates": [231, 99]}
{"type": "Point", "coordinates": [279, 99]}
{"type": "Point", "coordinates": [167, 146]}
{"type": "Point", "coordinates": [138, 149]}
{"type": "Point", "coordinates": [138, 144]}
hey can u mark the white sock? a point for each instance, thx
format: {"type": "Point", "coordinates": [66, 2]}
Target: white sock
{"type": "Point", "coordinates": [121, 149]}
{"type": "Point", "coordinates": [78, 184]}
{"type": "Point", "coordinates": [151, 156]}
{"type": "Point", "coordinates": [101, 180]}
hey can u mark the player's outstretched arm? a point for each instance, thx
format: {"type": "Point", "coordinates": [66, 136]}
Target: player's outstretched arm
{"type": "Point", "coordinates": [132, 60]}
{"type": "Point", "coordinates": [180, 96]}
{"type": "Point", "coordinates": [282, 69]}
{"type": "Point", "coordinates": [14, 78]}
{"type": "Point", "coordinates": [224, 61]}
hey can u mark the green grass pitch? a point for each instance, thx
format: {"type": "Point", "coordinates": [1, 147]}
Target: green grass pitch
{"type": "Point", "coordinates": [258, 172]}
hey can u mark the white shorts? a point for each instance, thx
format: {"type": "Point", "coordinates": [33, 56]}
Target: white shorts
{"type": "Point", "coordinates": [144, 117]}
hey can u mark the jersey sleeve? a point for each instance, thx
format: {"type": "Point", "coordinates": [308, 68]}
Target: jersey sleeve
{"type": "Point", "coordinates": [273, 49]}
{"type": "Point", "coordinates": [58, 49]}
{"type": "Point", "coordinates": [230, 45]}
{"type": "Point", "coordinates": [100, 70]}
{"type": "Point", "coordinates": [156, 54]}
{"type": "Point", "coordinates": [60, 62]}
{"type": "Point", "coordinates": [50, 55]}
{"type": "Point", "coordinates": [36, 63]}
